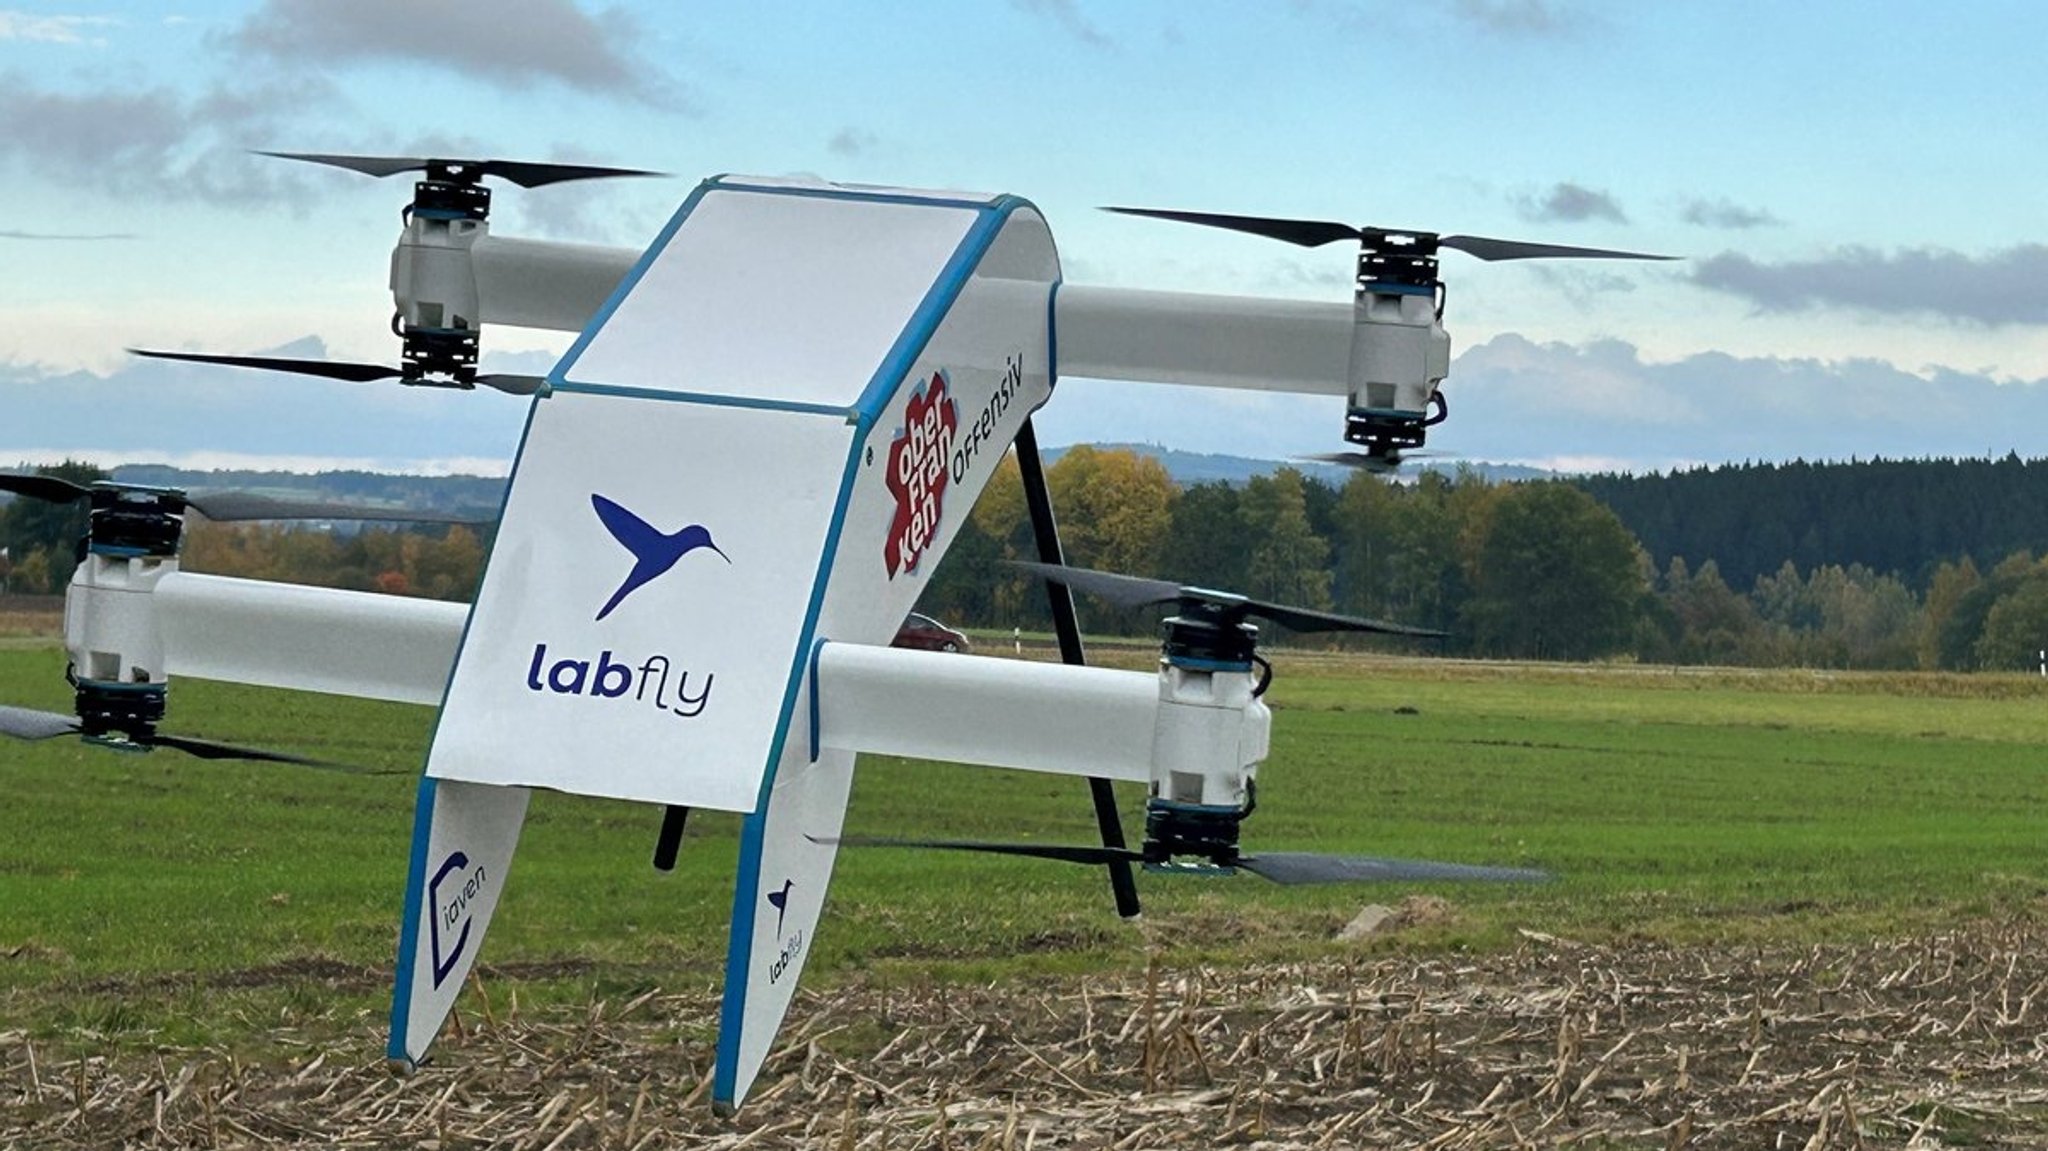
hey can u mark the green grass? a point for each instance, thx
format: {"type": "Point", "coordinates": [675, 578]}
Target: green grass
{"type": "Point", "coordinates": [156, 898]}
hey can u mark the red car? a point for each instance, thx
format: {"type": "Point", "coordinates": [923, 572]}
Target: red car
{"type": "Point", "coordinates": [927, 634]}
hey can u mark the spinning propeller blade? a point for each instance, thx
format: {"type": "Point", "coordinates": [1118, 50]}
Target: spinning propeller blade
{"type": "Point", "coordinates": [1296, 867]}
{"type": "Point", "coordinates": [23, 723]}
{"type": "Point", "coordinates": [1128, 591]}
{"type": "Point", "coordinates": [208, 749]}
{"type": "Point", "coordinates": [26, 723]}
{"type": "Point", "coordinates": [1113, 588]}
{"type": "Point", "coordinates": [523, 173]}
{"type": "Point", "coordinates": [515, 385]}
{"type": "Point", "coordinates": [1315, 233]}
{"type": "Point", "coordinates": [1378, 465]}
{"type": "Point", "coordinates": [1283, 867]}
{"type": "Point", "coordinates": [326, 369]}
{"type": "Point", "coordinates": [227, 507]}
{"type": "Point", "coordinates": [49, 489]}
{"type": "Point", "coordinates": [1094, 856]}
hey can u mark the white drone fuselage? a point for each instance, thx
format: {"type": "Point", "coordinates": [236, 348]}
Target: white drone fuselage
{"type": "Point", "coordinates": [735, 486]}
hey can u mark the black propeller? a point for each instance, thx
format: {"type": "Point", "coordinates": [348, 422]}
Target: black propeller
{"type": "Point", "coordinates": [1128, 591]}
{"type": "Point", "coordinates": [515, 385]}
{"type": "Point", "coordinates": [523, 173]}
{"type": "Point", "coordinates": [1374, 463]}
{"type": "Point", "coordinates": [225, 507]}
{"type": "Point", "coordinates": [1283, 867]}
{"type": "Point", "coordinates": [1315, 233]}
{"type": "Point", "coordinates": [25, 723]}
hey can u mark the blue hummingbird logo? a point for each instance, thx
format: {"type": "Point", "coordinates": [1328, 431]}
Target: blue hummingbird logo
{"type": "Point", "coordinates": [654, 551]}
{"type": "Point", "coordinates": [780, 901]}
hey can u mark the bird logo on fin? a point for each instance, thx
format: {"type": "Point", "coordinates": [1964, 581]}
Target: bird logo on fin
{"type": "Point", "coordinates": [654, 551]}
{"type": "Point", "coordinates": [779, 900]}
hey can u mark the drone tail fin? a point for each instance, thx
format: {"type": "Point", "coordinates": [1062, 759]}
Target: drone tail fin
{"type": "Point", "coordinates": [778, 896]}
{"type": "Point", "coordinates": [463, 838]}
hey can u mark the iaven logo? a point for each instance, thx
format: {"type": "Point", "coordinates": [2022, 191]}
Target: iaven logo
{"type": "Point", "coordinates": [451, 906]}
{"type": "Point", "coordinates": [918, 473]}
{"type": "Point", "coordinates": [610, 677]}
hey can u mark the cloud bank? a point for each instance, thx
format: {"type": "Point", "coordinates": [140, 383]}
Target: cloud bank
{"type": "Point", "coordinates": [550, 40]}
{"type": "Point", "coordinates": [2006, 287]}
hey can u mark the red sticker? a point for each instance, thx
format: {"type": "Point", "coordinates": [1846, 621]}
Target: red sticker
{"type": "Point", "coordinates": [918, 474]}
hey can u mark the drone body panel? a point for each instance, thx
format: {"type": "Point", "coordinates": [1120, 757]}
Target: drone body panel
{"type": "Point", "coordinates": [943, 410]}
{"type": "Point", "coordinates": [657, 674]}
{"type": "Point", "coordinates": [831, 278]}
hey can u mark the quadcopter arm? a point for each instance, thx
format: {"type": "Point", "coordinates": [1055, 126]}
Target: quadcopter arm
{"type": "Point", "coordinates": [1071, 720]}
{"type": "Point", "coordinates": [541, 284]}
{"type": "Point", "coordinates": [307, 638]}
{"type": "Point", "coordinates": [1204, 340]}
{"type": "Point", "coordinates": [1184, 740]}
{"type": "Point", "coordinates": [1147, 336]}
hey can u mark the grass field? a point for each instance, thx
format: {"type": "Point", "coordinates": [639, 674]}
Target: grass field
{"type": "Point", "coordinates": [153, 904]}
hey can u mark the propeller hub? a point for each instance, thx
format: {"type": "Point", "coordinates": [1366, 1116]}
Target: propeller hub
{"type": "Point", "coordinates": [1399, 262]}
{"type": "Point", "coordinates": [1210, 634]}
{"type": "Point", "coordinates": [461, 197]}
{"type": "Point", "coordinates": [118, 714]}
{"type": "Point", "coordinates": [127, 520]}
{"type": "Point", "coordinates": [1174, 830]}
{"type": "Point", "coordinates": [431, 352]}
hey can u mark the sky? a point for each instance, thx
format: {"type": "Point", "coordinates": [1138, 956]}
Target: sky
{"type": "Point", "coordinates": [1856, 190]}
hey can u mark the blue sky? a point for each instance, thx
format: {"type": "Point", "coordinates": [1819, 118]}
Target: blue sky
{"type": "Point", "coordinates": [1856, 188]}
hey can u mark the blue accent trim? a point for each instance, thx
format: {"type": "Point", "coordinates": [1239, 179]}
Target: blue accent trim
{"type": "Point", "coordinates": [882, 387]}
{"type": "Point", "coordinates": [560, 374]}
{"type": "Point", "coordinates": [1386, 288]}
{"type": "Point", "coordinates": [110, 685]}
{"type": "Point", "coordinates": [1052, 336]}
{"type": "Point", "coordinates": [409, 927]}
{"type": "Point", "coordinates": [1193, 664]}
{"type": "Point", "coordinates": [817, 650]}
{"type": "Point", "coordinates": [1403, 413]}
{"type": "Point", "coordinates": [747, 880]}
{"type": "Point", "coordinates": [938, 300]}
{"type": "Point", "coordinates": [728, 183]}
{"type": "Point", "coordinates": [423, 807]}
{"type": "Point", "coordinates": [1194, 808]}
{"type": "Point", "coordinates": [708, 400]}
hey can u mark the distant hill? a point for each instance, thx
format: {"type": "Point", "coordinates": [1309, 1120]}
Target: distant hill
{"type": "Point", "coordinates": [487, 494]}
{"type": "Point", "coordinates": [1203, 467]}
{"type": "Point", "coordinates": [435, 493]}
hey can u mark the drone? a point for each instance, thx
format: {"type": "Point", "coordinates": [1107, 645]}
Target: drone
{"type": "Point", "coordinates": [788, 401]}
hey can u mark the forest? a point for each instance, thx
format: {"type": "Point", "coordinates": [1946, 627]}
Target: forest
{"type": "Point", "coordinates": [1878, 564]}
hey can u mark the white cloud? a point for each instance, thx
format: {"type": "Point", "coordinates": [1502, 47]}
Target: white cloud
{"type": "Point", "coordinates": [27, 26]}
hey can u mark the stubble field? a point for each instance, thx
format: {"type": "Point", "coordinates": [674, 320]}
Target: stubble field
{"type": "Point", "coordinates": [1794, 909]}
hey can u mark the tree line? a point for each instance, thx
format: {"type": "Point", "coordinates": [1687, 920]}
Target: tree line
{"type": "Point", "coordinates": [39, 549]}
{"type": "Point", "coordinates": [1907, 517]}
{"type": "Point", "coordinates": [1540, 570]}
{"type": "Point", "coordinates": [1531, 570]}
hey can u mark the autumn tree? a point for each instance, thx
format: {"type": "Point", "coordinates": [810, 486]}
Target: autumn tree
{"type": "Point", "coordinates": [1203, 545]}
{"type": "Point", "coordinates": [1556, 577]}
{"type": "Point", "coordinates": [2016, 624]}
{"type": "Point", "coordinates": [1951, 582]}
{"type": "Point", "coordinates": [1285, 560]}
